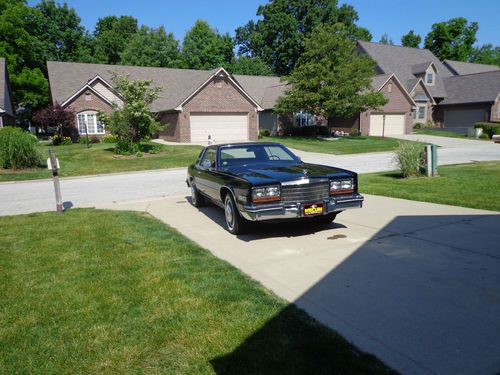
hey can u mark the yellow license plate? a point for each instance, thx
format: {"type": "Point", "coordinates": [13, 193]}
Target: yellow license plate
{"type": "Point", "coordinates": [313, 209]}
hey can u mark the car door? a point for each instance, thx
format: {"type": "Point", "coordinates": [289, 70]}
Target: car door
{"type": "Point", "coordinates": [204, 173]}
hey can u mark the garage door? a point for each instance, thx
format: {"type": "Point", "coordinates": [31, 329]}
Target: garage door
{"type": "Point", "coordinates": [394, 124]}
{"type": "Point", "coordinates": [222, 127]}
{"type": "Point", "coordinates": [463, 118]}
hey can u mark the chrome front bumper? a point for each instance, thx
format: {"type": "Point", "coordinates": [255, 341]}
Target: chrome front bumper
{"type": "Point", "coordinates": [295, 211]}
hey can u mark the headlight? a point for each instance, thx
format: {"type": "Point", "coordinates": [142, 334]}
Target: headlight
{"type": "Point", "coordinates": [342, 186]}
{"type": "Point", "coordinates": [266, 194]}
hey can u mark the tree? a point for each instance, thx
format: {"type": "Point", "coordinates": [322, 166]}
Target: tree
{"type": "Point", "coordinates": [384, 39]}
{"type": "Point", "coordinates": [453, 39]}
{"type": "Point", "coordinates": [133, 122]}
{"type": "Point", "coordinates": [486, 54]}
{"type": "Point", "coordinates": [60, 33]}
{"type": "Point", "coordinates": [111, 36]}
{"type": "Point", "coordinates": [411, 39]}
{"type": "Point", "coordinates": [19, 43]}
{"type": "Point", "coordinates": [61, 118]}
{"type": "Point", "coordinates": [152, 47]}
{"type": "Point", "coordinates": [331, 78]}
{"type": "Point", "coordinates": [205, 48]}
{"type": "Point", "coordinates": [277, 38]}
{"type": "Point", "coordinates": [252, 66]}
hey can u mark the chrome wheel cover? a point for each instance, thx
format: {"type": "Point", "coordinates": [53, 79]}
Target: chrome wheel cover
{"type": "Point", "coordinates": [229, 211]}
{"type": "Point", "coordinates": [193, 194]}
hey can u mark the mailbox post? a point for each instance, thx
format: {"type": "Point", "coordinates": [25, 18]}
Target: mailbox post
{"type": "Point", "coordinates": [53, 165]}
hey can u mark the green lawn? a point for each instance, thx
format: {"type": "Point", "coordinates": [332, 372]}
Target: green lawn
{"type": "Point", "coordinates": [439, 133]}
{"type": "Point", "coordinates": [94, 291]}
{"type": "Point", "coordinates": [469, 185]}
{"type": "Point", "coordinates": [345, 145]}
{"type": "Point", "coordinates": [78, 160]}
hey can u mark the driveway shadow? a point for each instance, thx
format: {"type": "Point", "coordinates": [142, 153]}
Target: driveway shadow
{"type": "Point", "coordinates": [258, 231]}
{"type": "Point", "coordinates": [424, 300]}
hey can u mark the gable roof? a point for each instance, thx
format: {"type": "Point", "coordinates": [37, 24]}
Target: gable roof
{"type": "Point", "coordinates": [6, 103]}
{"type": "Point", "coordinates": [422, 67]}
{"type": "Point", "coordinates": [178, 85]}
{"type": "Point", "coordinates": [472, 88]}
{"type": "Point", "coordinates": [380, 80]}
{"type": "Point", "coordinates": [403, 61]}
{"type": "Point", "coordinates": [462, 68]}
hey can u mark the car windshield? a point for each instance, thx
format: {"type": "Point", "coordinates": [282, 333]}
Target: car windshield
{"type": "Point", "coordinates": [237, 155]}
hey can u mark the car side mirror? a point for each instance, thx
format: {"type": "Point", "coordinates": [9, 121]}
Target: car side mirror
{"type": "Point", "coordinates": [212, 164]}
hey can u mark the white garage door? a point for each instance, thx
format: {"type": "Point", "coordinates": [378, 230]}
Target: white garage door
{"type": "Point", "coordinates": [222, 127]}
{"type": "Point", "coordinates": [394, 124]}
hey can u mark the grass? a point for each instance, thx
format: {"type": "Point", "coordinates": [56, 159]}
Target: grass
{"type": "Point", "coordinates": [468, 185]}
{"type": "Point", "coordinates": [440, 133]}
{"type": "Point", "coordinates": [345, 145]}
{"type": "Point", "coordinates": [94, 291]}
{"type": "Point", "coordinates": [78, 160]}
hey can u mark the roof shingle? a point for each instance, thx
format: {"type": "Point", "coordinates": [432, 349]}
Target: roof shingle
{"type": "Point", "coordinates": [472, 88]}
{"type": "Point", "coordinates": [462, 68]}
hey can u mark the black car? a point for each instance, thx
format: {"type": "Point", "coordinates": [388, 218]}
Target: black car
{"type": "Point", "coordinates": [259, 181]}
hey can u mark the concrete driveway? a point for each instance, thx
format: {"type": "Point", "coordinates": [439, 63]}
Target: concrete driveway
{"type": "Point", "coordinates": [446, 142]}
{"type": "Point", "coordinates": [414, 283]}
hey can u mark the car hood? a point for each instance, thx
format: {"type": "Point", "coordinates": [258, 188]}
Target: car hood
{"type": "Point", "coordinates": [261, 174]}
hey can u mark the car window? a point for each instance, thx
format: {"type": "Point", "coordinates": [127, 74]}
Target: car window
{"type": "Point", "coordinates": [254, 153]}
{"type": "Point", "coordinates": [277, 153]}
{"type": "Point", "coordinates": [208, 158]}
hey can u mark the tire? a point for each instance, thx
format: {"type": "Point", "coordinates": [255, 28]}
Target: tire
{"type": "Point", "coordinates": [197, 199]}
{"type": "Point", "coordinates": [327, 219]}
{"type": "Point", "coordinates": [235, 224]}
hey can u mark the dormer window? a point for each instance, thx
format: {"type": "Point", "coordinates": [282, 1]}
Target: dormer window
{"type": "Point", "coordinates": [429, 78]}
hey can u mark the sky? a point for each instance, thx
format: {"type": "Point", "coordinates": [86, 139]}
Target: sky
{"type": "Point", "coordinates": [394, 17]}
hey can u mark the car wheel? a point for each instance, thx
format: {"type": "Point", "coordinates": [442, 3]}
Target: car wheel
{"type": "Point", "coordinates": [234, 222]}
{"type": "Point", "coordinates": [197, 199]}
{"type": "Point", "coordinates": [327, 219]}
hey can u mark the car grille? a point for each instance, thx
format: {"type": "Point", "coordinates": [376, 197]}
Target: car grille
{"type": "Point", "coordinates": [314, 192]}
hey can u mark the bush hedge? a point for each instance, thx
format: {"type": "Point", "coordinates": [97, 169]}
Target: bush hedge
{"type": "Point", "coordinates": [18, 149]}
{"type": "Point", "coordinates": [489, 128]}
{"type": "Point", "coordinates": [409, 157]}
{"type": "Point", "coordinates": [308, 131]}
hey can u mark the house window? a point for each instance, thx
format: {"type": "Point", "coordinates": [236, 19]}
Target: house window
{"type": "Point", "coordinates": [429, 78]}
{"type": "Point", "coordinates": [303, 119]}
{"type": "Point", "coordinates": [421, 112]}
{"type": "Point", "coordinates": [88, 123]}
{"type": "Point", "coordinates": [88, 97]}
{"type": "Point", "coordinates": [389, 88]}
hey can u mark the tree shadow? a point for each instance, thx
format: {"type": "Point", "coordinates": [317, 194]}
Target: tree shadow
{"type": "Point", "coordinates": [423, 294]}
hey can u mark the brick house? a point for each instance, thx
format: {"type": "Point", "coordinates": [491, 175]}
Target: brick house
{"type": "Point", "coordinates": [7, 113]}
{"type": "Point", "coordinates": [196, 104]}
{"type": "Point", "coordinates": [449, 94]}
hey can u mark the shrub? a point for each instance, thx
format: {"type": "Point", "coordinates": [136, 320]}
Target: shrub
{"type": "Point", "coordinates": [418, 125]}
{"type": "Point", "coordinates": [308, 131]}
{"type": "Point", "coordinates": [125, 147]}
{"type": "Point", "coordinates": [90, 139]}
{"type": "Point", "coordinates": [496, 131]}
{"type": "Point", "coordinates": [18, 149]}
{"type": "Point", "coordinates": [109, 138]}
{"type": "Point", "coordinates": [484, 136]}
{"type": "Point", "coordinates": [429, 124]}
{"type": "Point", "coordinates": [409, 158]}
{"type": "Point", "coordinates": [264, 133]}
{"type": "Point", "coordinates": [488, 127]}
{"type": "Point", "coordinates": [155, 149]}
{"type": "Point", "coordinates": [139, 154]}
{"type": "Point", "coordinates": [60, 140]}
{"type": "Point", "coordinates": [355, 133]}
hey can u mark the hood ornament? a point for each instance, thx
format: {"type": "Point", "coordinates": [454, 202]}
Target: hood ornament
{"type": "Point", "coordinates": [305, 171]}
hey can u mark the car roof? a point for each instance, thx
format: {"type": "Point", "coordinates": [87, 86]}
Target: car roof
{"type": "Point", "coordinates": [239, 144]}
